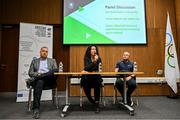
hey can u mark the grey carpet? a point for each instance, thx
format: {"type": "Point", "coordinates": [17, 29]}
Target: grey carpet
{"type": "Point", "coordinates": [154, 107]}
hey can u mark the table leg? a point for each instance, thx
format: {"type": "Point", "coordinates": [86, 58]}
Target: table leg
{"type": "Point", "coordinates": [131, 110]}
{"type": "Point", "coordinates": [67, 105]}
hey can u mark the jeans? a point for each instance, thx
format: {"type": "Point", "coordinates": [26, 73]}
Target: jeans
{"type": "Point", "coordinates": [131, 84]}
{"type": "Point", "coordinates": [43, 82]}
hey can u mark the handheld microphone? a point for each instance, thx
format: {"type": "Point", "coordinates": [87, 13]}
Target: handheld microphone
{"type": "Point", "coordinates": [96, 57]}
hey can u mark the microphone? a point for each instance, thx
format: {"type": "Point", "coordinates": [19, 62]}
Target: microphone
{"type": "Point", "coordinates": [96, 57]}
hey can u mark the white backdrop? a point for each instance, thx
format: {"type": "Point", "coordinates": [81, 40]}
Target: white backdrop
{"type": "Point", "coordinates": [32, 37]}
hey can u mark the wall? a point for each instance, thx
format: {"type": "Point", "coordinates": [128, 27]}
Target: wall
{"type": "Point", "coordinates": [149, 57]}
{"type": "Point", "coordinates": [0, 44]}
{"type": "Point", "coordinates": [35, 11]}
{"type": "Point", "coordinates": [177, 9]}
{"type": "Point", "coordinates": [31, 11]}
{"type": "Point", "coordinates": [0, 33]}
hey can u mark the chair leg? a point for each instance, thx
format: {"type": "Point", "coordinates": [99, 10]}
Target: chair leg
{"type": "Point", "coordinates": [102, 95]}
{"type": "Point", "coordinates": [115, 95]}
{"type": "Point", "coordinates": [81, 97]}
{"type": "Point", "coordinates": [55, 97]}
{"type": "Point", "coordinates": [29, 98]}
{"type": "Point", "coordinates": [136, 95]}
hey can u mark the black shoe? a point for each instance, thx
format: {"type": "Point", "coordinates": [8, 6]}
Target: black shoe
{"type": "Point", "coordinates": [29, 82]}
{"type": "Point", "coordinates": [91, 100]}
{"type": "Point", "coordinates": [97, 110]}
{"type": "Point", "coordinates": [129, 101]}
{"type": "Point", "coordinates": [36, 114]}
{"type": "Point", "coordinates": [122, 100]}
{"type": "Point", "coordinates": [172, 96]}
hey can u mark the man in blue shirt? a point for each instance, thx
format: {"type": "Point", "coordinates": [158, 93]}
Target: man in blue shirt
{"type": "Point", "coordinates": [125, 65]}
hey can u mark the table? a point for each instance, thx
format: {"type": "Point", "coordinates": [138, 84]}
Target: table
{"type": "Point", "coordinates": [103, 74]}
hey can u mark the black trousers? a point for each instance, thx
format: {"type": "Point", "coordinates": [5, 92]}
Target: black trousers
{"type": "Point", "coordinates": [43, 82]}
{"type": "Point", "coordinates": [131, 86]}
{"type": "Point", "coordinates": [93, 81]}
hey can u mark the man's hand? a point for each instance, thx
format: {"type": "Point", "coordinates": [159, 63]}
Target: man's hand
{"type": "Point", "coordinates": [133, 75]}
{"type": "Point", "coordinates": [39, 74]}
{"type": "Point", "coordinates": [128, 78]}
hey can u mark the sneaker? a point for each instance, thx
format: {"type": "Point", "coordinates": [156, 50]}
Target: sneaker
{"type": "Point", "coordinates": [36, 114]}
{"type": "Point", "coordinates": [130, 102]}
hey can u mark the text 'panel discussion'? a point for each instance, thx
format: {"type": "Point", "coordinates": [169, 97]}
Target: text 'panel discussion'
{"type": "Point", "coordinates": [89, 59]}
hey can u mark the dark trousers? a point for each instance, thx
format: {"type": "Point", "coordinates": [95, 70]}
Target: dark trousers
{"type": "Point", "coordinates": [131, 86]}
{"type": "Point", "coordinates": [43, 82]}
{"type": "Point", "coordinates": [92, 82]}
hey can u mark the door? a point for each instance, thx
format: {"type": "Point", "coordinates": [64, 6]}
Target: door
{"type": "Point", "coordinates": [9, 58]}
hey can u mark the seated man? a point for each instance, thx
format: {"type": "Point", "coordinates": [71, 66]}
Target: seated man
{"type": "Point", "coordinates": [125, 65]}
{"type": "Point", "coordinates": [41, 72]}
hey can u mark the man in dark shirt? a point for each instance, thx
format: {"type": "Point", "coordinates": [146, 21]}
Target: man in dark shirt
{"type": "Point", "coordinates": [125, 65]}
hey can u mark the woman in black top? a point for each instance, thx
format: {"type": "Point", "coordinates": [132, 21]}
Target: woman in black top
{"type": "Point", "coordinates": [91, 64]}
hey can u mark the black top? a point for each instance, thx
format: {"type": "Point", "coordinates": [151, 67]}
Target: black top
{"type": "Point", "coordinates": [91, 66]}
{"type": "Point", "coordinates": [125, 67]}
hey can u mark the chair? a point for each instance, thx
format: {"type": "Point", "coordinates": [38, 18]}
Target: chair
{"type": "Point", "coordinates": [135, 98]}
{"type": "Point", "coordinates": [101, 94]}
{"type": "Point", "coordinates": [54, 97]}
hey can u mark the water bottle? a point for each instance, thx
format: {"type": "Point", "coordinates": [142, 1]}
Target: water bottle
{"type": "Point", "coordinates": [100, 67]}
{"type": "Point", "coordinates": [60, 67]}
{"type": "Point", "coordinates": [135, 67]}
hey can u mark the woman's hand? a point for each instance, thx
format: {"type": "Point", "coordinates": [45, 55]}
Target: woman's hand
{"type": "Point", "coordinates": [84, 71]}
{"type": "Point", "coordinates": [96, 57]}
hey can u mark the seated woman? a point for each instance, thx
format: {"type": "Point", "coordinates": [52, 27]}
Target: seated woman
{"type": "Point", "coordinates": [91, 64]}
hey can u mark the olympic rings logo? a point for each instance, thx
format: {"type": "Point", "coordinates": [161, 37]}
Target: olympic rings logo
{"type": "Point", "coordinates": [170, 52]}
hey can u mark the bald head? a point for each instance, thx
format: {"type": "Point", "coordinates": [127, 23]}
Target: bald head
{"type": "Point", "coordinates": [126, 55]}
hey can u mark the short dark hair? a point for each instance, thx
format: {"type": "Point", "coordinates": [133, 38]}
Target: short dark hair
{"type": "Point", "coordinates": [44, 47]}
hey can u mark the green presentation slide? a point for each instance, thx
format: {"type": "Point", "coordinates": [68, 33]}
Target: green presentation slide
{"type": "Point", "coordinates": [104, 22]}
